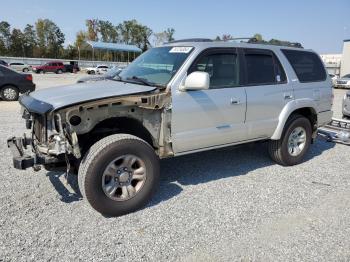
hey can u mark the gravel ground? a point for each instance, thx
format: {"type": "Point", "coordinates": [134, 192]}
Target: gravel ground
{"type": "Point", "coordinates": [231, 204]}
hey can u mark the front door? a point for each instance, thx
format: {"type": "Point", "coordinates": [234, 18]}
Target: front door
{"type": "Point", "coordinates": [213, 117]}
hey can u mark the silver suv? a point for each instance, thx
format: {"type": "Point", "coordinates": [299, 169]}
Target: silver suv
{"type": "Point", "coordinates": [181, 98]}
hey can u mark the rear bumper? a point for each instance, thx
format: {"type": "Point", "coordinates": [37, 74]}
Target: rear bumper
{"type": "Point", "coordinates": [324, 118]}
{"type": "Point", "coordinates": [26, 88]}
{"type": "Point", "coordinates": [342, 86]}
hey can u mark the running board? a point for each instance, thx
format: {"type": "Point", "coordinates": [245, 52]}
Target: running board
{"type": "Point", "coordinates": [338, 131]}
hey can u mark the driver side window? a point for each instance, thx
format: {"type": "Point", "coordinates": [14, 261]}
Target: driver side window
{"type": "Point", "coordinates": [223, 69]}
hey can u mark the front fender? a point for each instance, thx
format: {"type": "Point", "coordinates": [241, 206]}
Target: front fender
{"type": "Point", "coordinates": [288, 109]}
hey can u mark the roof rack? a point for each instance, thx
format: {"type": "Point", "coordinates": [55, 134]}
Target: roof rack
{"type": "Point", "coordinates": [275, 42]}
{"type": "Point", "coordinates": [250, 40]}
{"type": "Point", "coordinates": [254, 40]}
{"type": "Point", "coordinates": [191, 40]}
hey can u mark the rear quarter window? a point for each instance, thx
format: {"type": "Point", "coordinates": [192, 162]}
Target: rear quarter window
{"type": "Point", "coordinates": [307, 65]}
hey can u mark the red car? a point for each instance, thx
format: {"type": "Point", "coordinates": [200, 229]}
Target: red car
{"type": "Point", "coordinates": [54, 66]}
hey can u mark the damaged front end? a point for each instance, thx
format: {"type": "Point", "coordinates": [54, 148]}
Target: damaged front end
{"type": "Point", "coordinates": [48, 144]}
{"type": "Point", "coordinates": [59, 137]}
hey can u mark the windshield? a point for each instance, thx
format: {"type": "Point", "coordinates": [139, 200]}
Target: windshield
{"type": "Point", "coordinates": [156, 66]}
{"type": "Point", "coordinates": [346, 76]}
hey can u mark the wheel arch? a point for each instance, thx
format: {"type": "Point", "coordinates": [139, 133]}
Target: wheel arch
{"type": "Point", "coordinates": [304, 107]}
{"type": "Point", "coordinates": [8, 84]}
{"type": "Point", "coordinates": [116, 125]}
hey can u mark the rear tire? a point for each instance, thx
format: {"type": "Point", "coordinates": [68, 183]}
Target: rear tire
{"type": "Point", "coordinates": [59, 71]}
{"type": "Point", "coordinates": [9, 93]}
{"type": "Point", "coordinates": [294, 143]}
{"type": "Point", "coordinates": [108, 166]}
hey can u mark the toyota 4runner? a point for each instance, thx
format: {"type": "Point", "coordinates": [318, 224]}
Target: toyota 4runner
{"type": "Point", "coordinates": [180, 98]}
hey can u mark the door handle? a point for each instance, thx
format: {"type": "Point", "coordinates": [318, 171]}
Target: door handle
{"type": "Point", "coordinates": [234, 101]}
{"type": "Point", "coordinates": [288, 96]}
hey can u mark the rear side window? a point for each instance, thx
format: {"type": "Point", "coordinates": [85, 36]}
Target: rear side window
{"type": "Point", "coordinates": [263, 67]}
{"type": "Point", "coordinates": [307, 65]}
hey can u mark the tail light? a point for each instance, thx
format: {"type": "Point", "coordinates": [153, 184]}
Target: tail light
{"type": "Point", "coordinates": [29, 77]}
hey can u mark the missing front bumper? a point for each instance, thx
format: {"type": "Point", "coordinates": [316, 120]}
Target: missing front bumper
{"type": "Point", "coordinates": [23, 160]}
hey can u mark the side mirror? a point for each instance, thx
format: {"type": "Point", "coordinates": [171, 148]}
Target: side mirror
{"type": "Point", "coordinates": [196, 81]}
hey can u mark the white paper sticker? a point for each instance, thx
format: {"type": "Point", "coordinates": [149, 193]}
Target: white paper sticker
{"type": "Point", "coordinates": [181, 49]}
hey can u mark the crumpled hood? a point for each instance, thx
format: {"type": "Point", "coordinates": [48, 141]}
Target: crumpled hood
{"type": "Point", "coordinates": [53, 98]}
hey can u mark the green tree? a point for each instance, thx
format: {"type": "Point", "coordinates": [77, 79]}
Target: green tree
{"type": "Point", "coordinates": [70, 52]}
{"type": "Point", "coordinates": [170, 34]}
{"type": "Point", "coordinates": [29, 40]}
{"type": "Point", "coordinates": [50, 38]}
{"type": "Point", "coordinates": [92, 29]}
{"type": "Point", "coordinates": [55, 42]}
{"type": "Point", "coordinates": [80, 42]}
{"type": "Point", "coordinates": [5, 35]}
{"type": "Point", "coordinates": [108, 31]}
{"type": "Point", "coordinates": [16, 43]}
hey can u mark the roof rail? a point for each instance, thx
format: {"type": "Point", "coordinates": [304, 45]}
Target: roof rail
{"type": "Point", "coordinates": [191, 40]}
{"type": "Point", "coordinates": [250, 40]}
{"type": "Point", "coordinates": [254, 40]}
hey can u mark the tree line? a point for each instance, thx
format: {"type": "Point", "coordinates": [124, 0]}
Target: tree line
{"type": "Point", "coordinates": [45, 39]}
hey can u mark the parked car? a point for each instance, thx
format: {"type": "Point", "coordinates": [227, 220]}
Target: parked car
{"type": "Point", "coordinates": [2, 62]}
{"type": "Point", "coordinates": [100, 69]}
{"type": "Point", "coordinates": [346, 105]}
{"type": "Point", "coordinates": [54, 67]}
{"type": "Point", "coordinates": [20, 67]}
{"type": "Point", "coordinates": [12, 84]}
{"type": "Point", "coordinates": [343, 82]}
{"type": "Point", "coordinates": [177, 99]}
{"type": "Point", "coordinates": [334, 78]}
{"type": "Point", "coordinates": [72, 67]}
{"type": "Point", "coordinates": [110, 74]}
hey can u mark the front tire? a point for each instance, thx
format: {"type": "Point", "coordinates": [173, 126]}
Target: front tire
{"type": "Point", "coordinates": [294, 143]}
{"type": "Point", "coordinates": [119, 174]}
{"type": "Point", "coordinates": [25, 70]}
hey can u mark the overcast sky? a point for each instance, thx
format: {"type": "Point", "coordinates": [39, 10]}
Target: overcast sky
{"type": "Point", "coordinates": [320, 25]}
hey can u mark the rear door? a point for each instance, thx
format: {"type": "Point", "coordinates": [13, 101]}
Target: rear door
{"type": "Point", "coordinates": [213, 117]}
{"type": "Point", "coordinates": [314, 82]}
{"type": "Point", "coordinates": [267, 90]}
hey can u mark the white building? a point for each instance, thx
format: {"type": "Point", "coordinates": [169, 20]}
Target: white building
{"type": "Point", "coordinates": [332, 62]}
{"type": "Point", "coordinates": [338, 64]}
{"type": "Point", "coordinates": [345, 60]}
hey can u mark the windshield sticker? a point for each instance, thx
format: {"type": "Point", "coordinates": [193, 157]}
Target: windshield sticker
{"type": "Point", "coordinates": [181, 49]}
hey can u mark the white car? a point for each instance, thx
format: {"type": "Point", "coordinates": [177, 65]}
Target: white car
{"type": "Point", "coordinates": [20, 67]}
{"type": "Point", "coordinates": [100, 69]}
{"type": "Point", "coordinates": [343, 82]}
